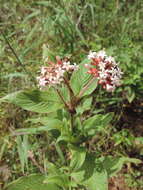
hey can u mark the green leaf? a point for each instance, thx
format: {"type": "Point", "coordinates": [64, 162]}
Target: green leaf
{"type": "Point", "coordinates": [98, 181]}
{"type": "Point", "coordinates": [34, 130]}
{"type": "Point", "coordinates": [130, 94]}
{"type": "Point", "coordinates": [97, 122]}
{"type": "Point", "coordinates": [60, 180]}
{"type": "Point", "coordinates": [92, 175]}
{"type": "Point", "coordinates": [66, 134]}
{"type": "Point", "coordinates": [78, 123]}
{"type": "Point", "coordinates": [50, 124]}
{"type": "Point", "coordinates": [85, 105]}
{"type": "Point", "coordinates": [114, 165]}
{"type": "Point", "coordinates": [23, 147]}
{"type": "Point", "coordinates": [35, 100]}
{"type": "Point", "coordinates": [60, 153]}
{"type": "Point", "coordinates": [107, 118]}
{"type": "Point", "coordinates": [78, 158]}
{"type": "Point", "coordinates": [66, 138]}
{"type": "Point", "coordinates": [92, 84]}
{"type": "Point", "coordinates": [65, 93]}
{"type": "Point", "coordinates": [31, 182]}
{"type": "Point", "coordinates": [45, 120]}
{"type": "Point", "coordinates": [53, 169]}
{"type": "Point", "coordinates": [80, 79]}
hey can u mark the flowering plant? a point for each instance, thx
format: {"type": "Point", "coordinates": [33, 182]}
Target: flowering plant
{"type": "Point", "coordinates": [66, 93]}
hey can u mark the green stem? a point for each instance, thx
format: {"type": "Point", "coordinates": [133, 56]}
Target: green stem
{"type": "Point", "coordinates": [68, 106]}
{"type": "Point", "coordinates": [59, 93]}
{"type": "Point", "coordinates": [60, 153]}
{"type": "Point", "coordinates": [72, 121]}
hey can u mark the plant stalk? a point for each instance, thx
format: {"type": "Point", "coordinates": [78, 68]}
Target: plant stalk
{"type": "Point", "coordinates": [60, 95]}
{"type": "Point", "coordinates": [69, 87]}
{"type": "Point", "coordinates": [69, 107]}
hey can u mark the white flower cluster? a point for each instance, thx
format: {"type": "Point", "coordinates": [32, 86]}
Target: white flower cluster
{"type": "Point", "coordinates": [54, 73]}
{"type": "Point", "coordinates": [104, 68]}
{"type": "Point", "coordinates": [68, 67]}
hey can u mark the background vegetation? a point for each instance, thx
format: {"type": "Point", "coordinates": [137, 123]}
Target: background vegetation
{"type": "Point", "coordinates": [71, 28]}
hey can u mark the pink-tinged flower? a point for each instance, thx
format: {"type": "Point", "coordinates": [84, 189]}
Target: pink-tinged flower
{"type": "Point", "coordinates": [53, 74]}
{"type": "Point", "coordinates": [105, 69]}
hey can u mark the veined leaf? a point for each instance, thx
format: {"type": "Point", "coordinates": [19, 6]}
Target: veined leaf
{"type": "Point", "coordinates": [92, 84]}
{"type": "Point", "coordinates": [35, 100]}
{"type": "Point", "coordinates": [98, 181]}
{"type": "Point", "coordinates": [92, 175]}
{"type": "Point", "coordinates": [53, 169]}
{"type": "Point", "coordinates": [50, 123]}
{"type": "Point", "coordinates": [34, 130]}
{"type": "Point", "coordinates": [66, 138]}
{"type": "Point", "coordinates": [80, 79]}
{"type": "Point", "coordinates": [60, 153]}
{"type": "Point", "coordinates": [96, 121]}
{"type": "Point", "coordinates": [85, 105]}
{"type": "Point", "coordinates": [59, 180]}
{"type": "Point", "coordinates": [23, 147]}
{"type": "Point", "coordinates": [114, 165]}
{"type": "Point", "coordinates": [43, 120]}
{"type": "Point", "coordinates": [31, 182]}
{"type": "Point", "coordinates": [78, 158]}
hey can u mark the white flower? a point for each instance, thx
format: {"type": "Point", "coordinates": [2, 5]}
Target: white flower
{"type": "Point", "coordinates": [110, 59]}
{"type": "Point", "coordinates": [101, 54]}
{"type": "Point", "coordinates": [116, 81]}
{"type": "Point", "coordinates": [66, 66]}
{"type": "Point", "coordinates": [102, 65]}
{"type": "Point", "coordinates": [103, 74]}
{"type": "Point", "coordinates": [74, 67]}
{"type": "Point", "coordinates": [42, 82]}
{"type": "Point", "coordinates": [91, 55]}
